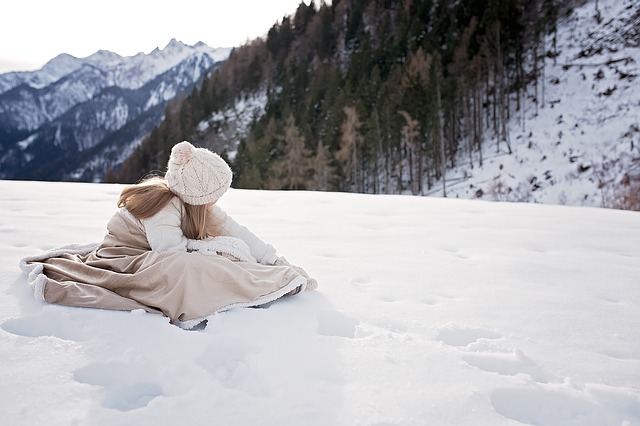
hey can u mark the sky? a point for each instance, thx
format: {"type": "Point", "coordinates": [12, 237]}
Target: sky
{"type": "Point", "coordinates": [35, 31]}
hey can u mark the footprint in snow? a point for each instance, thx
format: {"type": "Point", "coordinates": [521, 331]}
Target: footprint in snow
{"type": "Point", "coordinates": [435, 300]}
{"type": "Point", "coordinates": [333, 323]}
{"type": "Point", "coordinates": [51, 321]}
{"type": "Point", "coordinates": [598, 405]}
{"type": "Point", "coordinates": [228, 360]}
{"type": "Point", "coordinates": [430, 301]}
{"type": "Point", "coordinates": [486, 351]}
{"type": "Point", "coordinates": [225, 360]}
{"type": "Point", "coordinates": [509, 364]}
{"type": "Point", "coordinates": [462, 337]}
{"type": "Point", "coordinates": [455, 252]}
{"type": "Point", "coordinates": [360, 280]}
{"type": "Point", "coordinates": [127, 386]}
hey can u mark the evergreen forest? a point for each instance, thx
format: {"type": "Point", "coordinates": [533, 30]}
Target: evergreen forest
{"type": "Point", "coordinates": [370, 96]}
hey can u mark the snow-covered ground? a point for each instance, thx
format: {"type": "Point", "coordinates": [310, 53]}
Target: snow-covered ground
{"type": "Point", "coordinates": [577, 144]}
{"type": "Point", "coordinates": [430, 311]}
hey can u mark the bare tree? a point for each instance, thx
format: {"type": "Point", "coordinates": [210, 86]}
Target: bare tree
{"type": "Point", "coordinates": [323, 170]}
{"type": "Point", "coordinates": [350, 142]}
{"type": "Point", "coordinates": [294, 167]}
{"type": "Point", "coordinates": [409, 134]}
{"type": "Point", "coordinates": [440, 121]}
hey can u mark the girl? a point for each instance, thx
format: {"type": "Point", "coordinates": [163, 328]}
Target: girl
{"type": "Point", "coordinates": [170, 250]}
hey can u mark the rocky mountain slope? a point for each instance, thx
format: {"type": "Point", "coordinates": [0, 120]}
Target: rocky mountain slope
{"type": "Point", "coordinates": [76, 118]}
{"type": "Point", "coordinates": [580, 144]}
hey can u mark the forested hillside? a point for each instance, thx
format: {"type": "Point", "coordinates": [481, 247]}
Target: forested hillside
{"type": "Point", "coordinates": [369, 95]}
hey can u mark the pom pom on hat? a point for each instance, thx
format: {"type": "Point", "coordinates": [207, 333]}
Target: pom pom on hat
{"type": "Point", "coordinates": [197, 175]}
{"type": "Point", "coordinates": [182, 152]}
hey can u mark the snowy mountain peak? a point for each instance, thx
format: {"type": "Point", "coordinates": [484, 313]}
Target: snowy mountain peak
{"type": "Point", "coordinates": [105, 57]}
{"type": "Point", "coordinates": [61, 61]}
{"type": "Point", "coordinates": [61, 65]}
{"type": "Point", "coordinates": [129, 72]}
{"type": "Point", "coordinates": [52, 71]}
{"type": "Point", "coordinates": [175, 44]}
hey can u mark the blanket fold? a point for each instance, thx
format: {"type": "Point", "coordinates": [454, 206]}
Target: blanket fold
{"type": "Point", "coordinates": [123, 273]}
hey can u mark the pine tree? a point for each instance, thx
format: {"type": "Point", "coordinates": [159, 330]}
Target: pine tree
{"type": "Point", "coordinates": [254, 159]}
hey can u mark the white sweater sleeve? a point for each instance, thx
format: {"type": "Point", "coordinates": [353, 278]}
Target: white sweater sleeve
{"type": "Point", "coordinates": [163, 229]}
{"type": "Point", "coordinates": [263, 252]}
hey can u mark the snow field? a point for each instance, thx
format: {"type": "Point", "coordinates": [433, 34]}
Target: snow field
{"type": "Point", "coordinates": [429, 311]}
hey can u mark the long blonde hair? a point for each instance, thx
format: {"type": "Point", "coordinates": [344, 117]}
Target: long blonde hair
{"type": "Point", "coordinates": [148, 197]}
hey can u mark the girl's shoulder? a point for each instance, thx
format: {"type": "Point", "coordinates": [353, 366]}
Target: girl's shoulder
{"type": "Point", "coordinates": [126, 214]}
{"type": "Point", "coordinates": [171, 213]}
{"type": "Point", "coordinates": [217, 212]}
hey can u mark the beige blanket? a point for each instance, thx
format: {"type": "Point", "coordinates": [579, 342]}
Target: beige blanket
{"type": "Point", "coordinates": [123, 273]}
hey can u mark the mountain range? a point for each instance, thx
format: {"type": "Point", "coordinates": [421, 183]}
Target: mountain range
{"type": "Point", "coordinates": [76, 118]}
{"type": "Point", "coordinates": [458, 100]}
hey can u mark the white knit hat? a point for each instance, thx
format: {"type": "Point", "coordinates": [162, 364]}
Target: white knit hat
{"type": "Point", "coordinates": [197, 175]}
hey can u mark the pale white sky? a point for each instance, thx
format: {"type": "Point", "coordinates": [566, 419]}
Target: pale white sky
{"type": "Point", "coordinates": [34, 31]}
